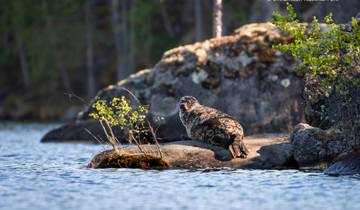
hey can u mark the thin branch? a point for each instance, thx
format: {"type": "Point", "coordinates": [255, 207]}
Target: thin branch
{"type": "Point", "coordinates": [97, 139]}
{"type": "Point", "coordinates": [131, 136]}
{"type": "Point", "coordinates": [150, 127]}
{"type": "Point", "coordinates": [155, 138]}
{"type": "Point", "coordinates": [70, 95]}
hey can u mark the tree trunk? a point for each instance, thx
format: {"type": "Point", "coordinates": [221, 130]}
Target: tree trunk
{"type": "Point", "coordinates": [199, 20]}
{"type": "Point", "coordinates": [217, 13]}
{"type": "Point", "coordinates": [132, 38]}
{"type": "Point", "coordinates": [90, 48]}
{"type": "Point", "coordinates": [125, 37]}
{"type": "Point", "coordinates": [166, 19]}
{"type": "Point", "coordinates": [117, 37]}
{"type": "Point", "coordinates": [59, 62]}
{"type": "Point", "coordinates": [23, 59]}
{"type": "Point", "coordinates": [121, 39]}
{"type": "Point", "coordinates": [17, 19]}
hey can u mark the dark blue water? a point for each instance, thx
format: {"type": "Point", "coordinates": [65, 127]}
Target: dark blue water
{"type": "Point", "coordinates": [54, 176]}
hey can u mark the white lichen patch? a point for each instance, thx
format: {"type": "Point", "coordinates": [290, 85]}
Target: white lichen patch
{"type": "Point", "coordinates": [244, 59]}
{"type": "Point", "coordinates": [285, 82]}
{"type": "Point", "coordinates": [159, 120]}
{"type": "Point", "coordinates": [199, 76]}
{"type": "Point", "coordinates": [274, 77]}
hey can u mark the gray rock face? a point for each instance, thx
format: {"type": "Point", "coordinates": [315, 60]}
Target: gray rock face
{"type": "Point", "coordinates": [315, 146]}
{"type": "Point", "coordinates": [334, 130]}
{"type": "Point", "coordinates": [240, 75]}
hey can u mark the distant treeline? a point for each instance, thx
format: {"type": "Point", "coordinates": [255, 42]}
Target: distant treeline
{"type": "Point", "coordinates": [49, 47]}
{"type": "Point", "coordinates": [83, 45]}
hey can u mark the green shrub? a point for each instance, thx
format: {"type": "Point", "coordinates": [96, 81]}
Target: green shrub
{"type": "Point", "coordinates": [329, 54]}
{"type": "Point", "coordinates": [118, 112]}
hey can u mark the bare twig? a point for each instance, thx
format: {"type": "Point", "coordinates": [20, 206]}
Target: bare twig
{"type": "Point", "coordinates": [155, 138]}
{"type": "Point", "coordinates": [148, 122]}
{"type": "Point", "coordinates": [108, 130]}
{"type": "Point", "coordinates": [109, 137]}
{"type": "Point", "coordinates": [70, 95]}
{"type": "Point", "coordinates": [132, 94]}
{"type": "Point", "coordinates": [131, 136]}
{"type": "Point", "coordinates": [96, 138]}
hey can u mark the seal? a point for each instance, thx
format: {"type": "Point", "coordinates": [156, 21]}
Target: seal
{"type": "Point", "coordinates": [212, 126]}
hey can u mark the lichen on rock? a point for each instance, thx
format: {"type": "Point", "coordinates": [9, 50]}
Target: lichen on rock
{"type": "Point", "coordinates": [116, 159]}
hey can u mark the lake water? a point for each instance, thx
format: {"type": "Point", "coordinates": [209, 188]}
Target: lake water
{"type": "Point", "coordinates": [54, 176]}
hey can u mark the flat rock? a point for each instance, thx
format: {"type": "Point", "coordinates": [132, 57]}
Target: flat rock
{"type": "Point", "coordinates": [266, 152]}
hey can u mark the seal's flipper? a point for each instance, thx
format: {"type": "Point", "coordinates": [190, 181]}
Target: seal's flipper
{"type": "Point", "coordinates": [238, 150]}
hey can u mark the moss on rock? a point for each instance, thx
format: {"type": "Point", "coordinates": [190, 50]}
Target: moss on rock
{"type": "Point", "coordinates": [115, 159]}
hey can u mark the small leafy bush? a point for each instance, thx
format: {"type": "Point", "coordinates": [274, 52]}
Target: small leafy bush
{"type": "Point", "coordinates": [329, 54]}
{"type": "Point", "coordinates": [118, 112]}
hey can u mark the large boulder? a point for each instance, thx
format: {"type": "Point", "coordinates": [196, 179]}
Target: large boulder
{"type": "Point", "coordinates": [239, 74]}
{"type": "Point", "coordinates": [315, 147]}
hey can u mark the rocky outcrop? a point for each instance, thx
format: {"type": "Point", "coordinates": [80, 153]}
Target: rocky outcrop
{"type": "Point", "coordinates": [335, 129]}
{"type": "Point", "coordinates": [333, 117]}
{"type": "Point", "coordinates": [239, 74]}
{"type": "Point", "coordinates": [315, 147]}
{"type": "Point", "coordinates": [266, 152]}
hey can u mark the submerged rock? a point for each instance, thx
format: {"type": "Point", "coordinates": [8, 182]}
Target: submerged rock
{"type": "Point", "coordinates": [75, 132]}
{"type": "Point", "coordinates": [349, 165]}
{"type": "Point", "coordinates": [266, 152]}
{"type": "Point", "coordinates": [239, 74]}
{"type": "Point", "coordinates": [89, 129]}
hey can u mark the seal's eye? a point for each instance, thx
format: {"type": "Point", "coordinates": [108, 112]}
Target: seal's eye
{"type": "Point", "coordinates": [183, 100]}
{"type": "Point", "coordinates": [182, 106]}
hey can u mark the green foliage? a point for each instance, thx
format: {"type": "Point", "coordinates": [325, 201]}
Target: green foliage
{"type": "Point", "coordinates": [118, 112]}
{"type": "Point", "coordinates": [131, 120]}
{"type": "Point", "coordinates": [25, 20]}
{"type": "Point", "coordinates": [328, 54]}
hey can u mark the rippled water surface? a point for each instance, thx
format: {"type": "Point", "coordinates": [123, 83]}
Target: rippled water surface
{"type": "Point", "coordinates": [54, 176]}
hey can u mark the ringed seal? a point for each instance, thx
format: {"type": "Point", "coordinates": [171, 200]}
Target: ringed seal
{"type": "Point", "coordinates": [212, 126]}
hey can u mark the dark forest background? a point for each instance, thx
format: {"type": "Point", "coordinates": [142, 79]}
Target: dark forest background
{"type": "Point", "coordinates": [49, 47]}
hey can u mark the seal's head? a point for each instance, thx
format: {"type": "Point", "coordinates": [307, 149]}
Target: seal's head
{"type": "Point", "coordinates": [186, 103]}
